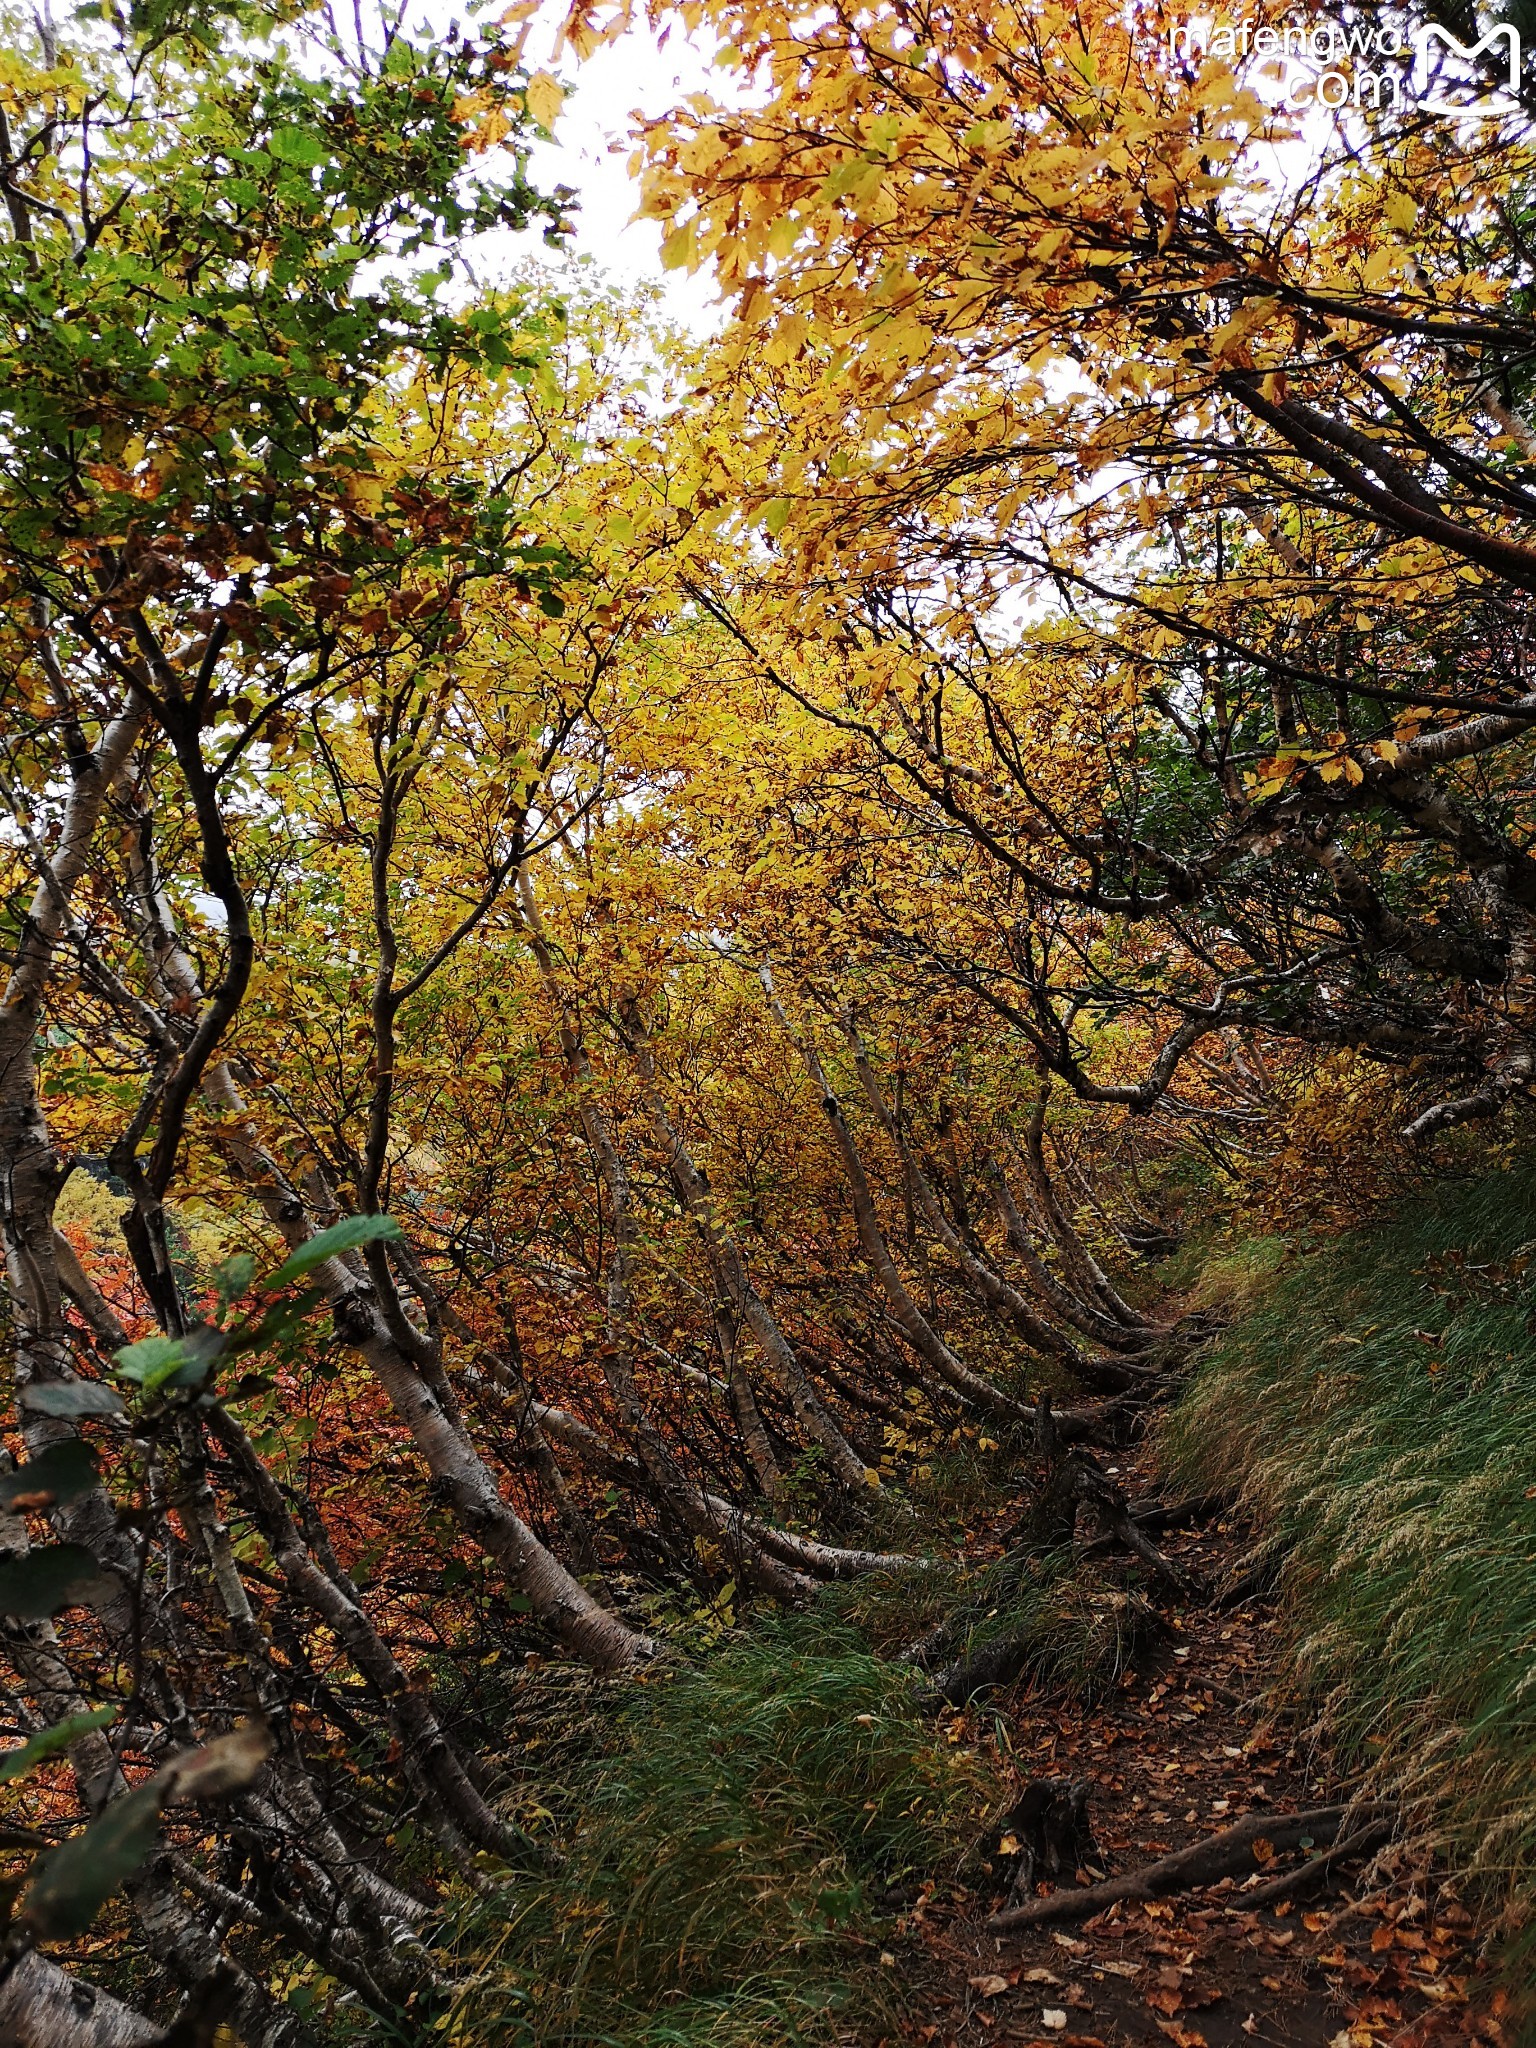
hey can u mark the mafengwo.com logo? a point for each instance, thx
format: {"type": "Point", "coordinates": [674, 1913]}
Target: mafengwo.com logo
{"type": "Point", "coordinates": [1367, 66]}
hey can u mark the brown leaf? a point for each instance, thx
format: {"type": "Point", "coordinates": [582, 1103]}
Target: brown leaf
{"type": "Point", "coordinates": [1198, 1996]}
{"type": "Point", "coordinates": [1182, 2037]}
{"type": "Point", "coordinates": [990, 1986]}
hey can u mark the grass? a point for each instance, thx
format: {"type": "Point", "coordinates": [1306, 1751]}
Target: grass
{"type": "Point", "coordinates": [1080, 1630]}
{"type": "Point", "coordinates": [733, 1826]}
{"type": "Point", "coordinates": [722, 1879]}
{"type": "Point", "coordinates": [1376, 1404]}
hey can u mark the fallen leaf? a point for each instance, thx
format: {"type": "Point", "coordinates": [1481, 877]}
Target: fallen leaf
{"type": "Point", "coordinates": [1169, 2002]}
{"type": "Point", "coordinates": [1263, 1851]}
{"type": "Point", "coordinates": [1448, 1991]}
{"type": "Point", "coordinates": [990, 1986]}
{"type": "Point", "coordinates": [1040, 1976]}
{"type": "Point", "coordinates": [1198, 1996]}
{"type": "Point", "coordinates": [1071, 1944]}
{"type": "Point", "coordinates": [1121, 1969]}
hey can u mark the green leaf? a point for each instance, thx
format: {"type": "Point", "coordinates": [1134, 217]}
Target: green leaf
{"type": "Point", "coordinates": [300, 146]}
{"type": "Point", "coordinates": [48, 1579]}
{"type": "Point", "coordinates": [71, 1884]}
{"type": "Point", "coordinates": [62, 1472]}
{"type": "Point", "coordinates": [138, 1361]}
{"type": "Point", "coordinates": [234, 1277]}
{"type": "Point", "coordinates": [52, 1741]}
{"type": "Point", "coordinates": [345, 1236]}
{"type": "Point", "coordinates": [70, 1397]}
{"type": "Point", "coordinates": [155, 1362]}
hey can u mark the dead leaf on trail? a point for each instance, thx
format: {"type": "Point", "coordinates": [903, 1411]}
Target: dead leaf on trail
{"type": "Point", "coordinates": [990, 1986]}
{"type": "Point", "coordinates": [1071, 1944]}
{"type": "Point", "coordinates": [1038, 1975]}
{"type": "Point", "coordinates": [1120, 1969]}
{"type": "Point", "coordinates": [1198, 1996]}
{"type": "Point", "coordinates": [1166, 2001]}
{"type": "Point", "coordinates": [1449, 1991]}
{"type": "Point", "coordinates": [1264, 1851]}
{"type": "Point", "coordinates": [1182, 2037]}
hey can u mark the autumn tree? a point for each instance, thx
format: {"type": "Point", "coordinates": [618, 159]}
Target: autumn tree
{"type": "Point", "coordinates": [1025, 321]}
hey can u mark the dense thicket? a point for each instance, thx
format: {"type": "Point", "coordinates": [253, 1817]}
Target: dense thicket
{"type": "Point", "coordinates": [618, 947]}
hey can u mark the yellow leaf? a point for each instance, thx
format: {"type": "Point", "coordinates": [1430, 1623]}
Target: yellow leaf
{"type": "Point", "coordinates": [677, 249]}
{"type": "Point", "coordinates": [544, 96]}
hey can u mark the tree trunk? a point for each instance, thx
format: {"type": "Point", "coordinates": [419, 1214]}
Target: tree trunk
{"type": "Point", "coordinates": [927, 1342]}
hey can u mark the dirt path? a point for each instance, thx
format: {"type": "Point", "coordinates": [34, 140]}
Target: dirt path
{"type": "Point", "coordinates": [1383, 1952]}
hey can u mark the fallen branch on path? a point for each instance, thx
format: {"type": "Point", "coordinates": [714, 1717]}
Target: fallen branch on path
{"type": "Point", "coordinates": [1295, 1882]}
{"type": "Point", "coordinates": [1202, 1863]}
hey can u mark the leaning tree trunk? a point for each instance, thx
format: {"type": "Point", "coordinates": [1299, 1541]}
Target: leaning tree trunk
{"type": "Point", "coordinates": [925, 1340]}
{"type": "Point", "coordinates": [592, 1632]}
{"type": "Point", "coordinates": [990, 1285]}
{"type": "Point", "coordinates": [693, 1186]}
{"type": "Point", "coordinates": [43, 2007]}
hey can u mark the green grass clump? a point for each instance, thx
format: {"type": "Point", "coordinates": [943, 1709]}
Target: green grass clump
{"type": "Point", "coordinates": [1078, 1633]}
{"type": "Point", "coordinates": [1378, 1410]}
{"type": "Point", "coordinates": [721, 1882]}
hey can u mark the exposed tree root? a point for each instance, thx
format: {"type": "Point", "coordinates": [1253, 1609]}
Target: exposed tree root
{"type": "Point", "coordinates": [1228, 1854]}
{"type": "Point", "coordinates": [1308, 1876]}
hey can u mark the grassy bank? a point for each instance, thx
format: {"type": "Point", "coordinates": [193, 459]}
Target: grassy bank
{"type": "Point", "coordinates": [1375, 1400]}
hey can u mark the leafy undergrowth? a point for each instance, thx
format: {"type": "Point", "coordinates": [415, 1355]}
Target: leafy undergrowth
{"type": "Point", "coordinates": [1378, 1409]}
{"type": "Point", "coordinates": [734, 1832]}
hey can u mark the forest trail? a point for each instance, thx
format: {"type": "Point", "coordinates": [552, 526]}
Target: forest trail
{"type": "Point", "coordinates": [1380, 1953]}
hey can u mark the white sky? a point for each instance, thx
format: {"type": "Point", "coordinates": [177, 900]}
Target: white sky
{"type": "Point", "coordinates": [592, 146]}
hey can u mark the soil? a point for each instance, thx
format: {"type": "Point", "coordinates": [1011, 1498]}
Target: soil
{"type": "Point", "coordinates": [1383, 1950]}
